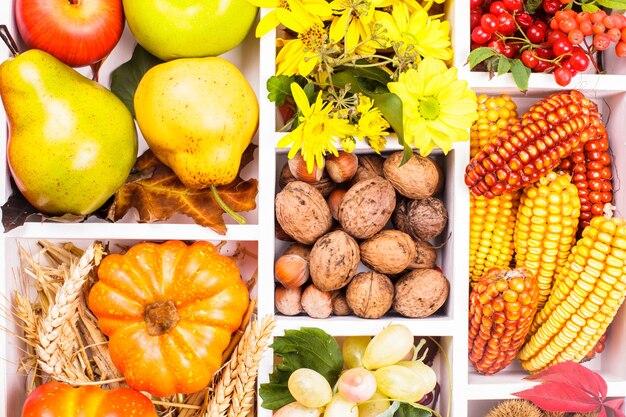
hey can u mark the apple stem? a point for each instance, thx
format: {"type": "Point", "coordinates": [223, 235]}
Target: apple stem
{"type": "Point", "coordinates": [8, 40]}
{"type": "Point", "coordinates": [238, 217]}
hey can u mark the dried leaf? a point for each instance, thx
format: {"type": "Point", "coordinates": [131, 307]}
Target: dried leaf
{"type": "Point", "coordinates": [157, 194]}
{"type": "Point", "coordinates": [574, 374]}
{"type": "Point", "coordinates": [560, 396]}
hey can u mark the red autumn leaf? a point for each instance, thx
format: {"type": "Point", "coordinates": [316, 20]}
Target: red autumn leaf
{"type": "Point", "coordinates": [560, 396]}
{"type": "Point", "coordinates": [574, 374]}
{"type": "Point", "coordinates": [615, 406]}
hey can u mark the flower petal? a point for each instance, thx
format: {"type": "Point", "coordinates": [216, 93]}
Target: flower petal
{"type": "Point", "coordinates": [267, 23]}
{"type": "Point", "coordinates": [300, 98]}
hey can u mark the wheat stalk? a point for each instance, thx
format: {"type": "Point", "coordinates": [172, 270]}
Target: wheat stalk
{"type": "Point", "coordinates": [56, 327]}
{"type": "Point", "coordinates": [234, 392]}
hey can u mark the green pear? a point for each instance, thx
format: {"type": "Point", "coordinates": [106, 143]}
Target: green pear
{"type": "Point", "coordinates": [72, 143]}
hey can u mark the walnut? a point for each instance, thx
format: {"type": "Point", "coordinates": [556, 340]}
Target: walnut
{"type": "Point", "coordinates": [340, 304]}
{"type": "Point", "coordinates": [316, 303]}
{"type": "Point", "coordinates": [333, 260]}
{"type": "Point", "coordinates": [370, 294]}
{"type": "Point", "coordinates": [388, 251]}
{"type": "Point", "coordinates": [420, 293]}
{"type": "Point", "coordinates": [366, 207]}
{"type": "Point", "coordinates": [418, 178]}
{"type": "Point", "coordinates": [421, 219]}
{"type": "Point", "coordinates": [302, 212]}
{"type": "Point", "coordinates": [370, 166]}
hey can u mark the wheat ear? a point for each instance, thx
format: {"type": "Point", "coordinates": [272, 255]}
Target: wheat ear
{"type": "Point", "coordinates": [54, 327]}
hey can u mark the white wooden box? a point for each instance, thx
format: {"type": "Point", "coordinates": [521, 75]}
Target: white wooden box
{"type": "Point", "coordinates": [471, 394]}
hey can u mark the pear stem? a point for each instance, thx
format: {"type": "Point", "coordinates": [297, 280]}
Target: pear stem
{"type": "Point", "coordinates": [238, 217]}
{"type": "Point", "coordinates": [8, 40]}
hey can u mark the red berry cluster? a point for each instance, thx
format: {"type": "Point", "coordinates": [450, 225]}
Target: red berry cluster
{"type": "Point", "coordinates": [552, 39]}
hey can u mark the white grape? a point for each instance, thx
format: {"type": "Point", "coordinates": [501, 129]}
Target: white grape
{"type": "Point", "coordinates": [388, 347]}
{"type": "Point", "coordinates": [339, 407]}
{"type": "Point", "coordinates": [352, 350]}
{"type": "Point", "coordinates": [309, 388]}
{"type": "Point", "coordinates": [295, 409]}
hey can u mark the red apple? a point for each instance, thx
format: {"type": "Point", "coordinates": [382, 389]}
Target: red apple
{"type": "Point", "coordinates": [77, 32]}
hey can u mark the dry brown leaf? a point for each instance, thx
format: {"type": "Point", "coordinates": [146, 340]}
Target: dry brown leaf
{"type": "Point", "coordinates": [157, 194]}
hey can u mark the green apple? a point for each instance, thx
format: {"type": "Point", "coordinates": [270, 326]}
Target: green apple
{"type": "Point", "coordinates": [171, 29]}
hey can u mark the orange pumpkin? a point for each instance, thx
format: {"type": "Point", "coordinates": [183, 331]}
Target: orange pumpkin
{"type": "Point", "coordinates": [169, 311]}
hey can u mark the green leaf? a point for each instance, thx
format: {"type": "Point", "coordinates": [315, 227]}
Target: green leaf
{"type": "Point", "coordinates": [126, 77]}
{"type": "Point", "coordinates": [532, 5]}
{"type": "Point", "coordinates": [370, 73]}
{"type": "Point", "coordinates": [504, 65]}
{"type": "Point", "coordinates": [389, 412]}
{"type": "Point", "coordinates": [305, 348]}
{"type": "Point", "coordinates": [590, 8]}
{"type": "Point", "coordinates": [521, 74]}
{"type": "Point", "coordinates": [478, 55]}
{"type": "Point", "coordinates": [613, 4]}
{"type": "Point", "coordinates": [309, 90]}
{"type": "Point", "coordinates": [407, 410]}
{"type": "Point", "coordinates": [279, 88]}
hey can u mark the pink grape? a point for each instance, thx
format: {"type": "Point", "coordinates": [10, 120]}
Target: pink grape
{"type": "Point", "coordinates": [357, 385]}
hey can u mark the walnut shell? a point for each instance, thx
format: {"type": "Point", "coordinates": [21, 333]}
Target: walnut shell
{"type": "Point", "coordinates": [426, 255]}
{"type": "Point", "coordinates": [302, 212]}
{"type": "Point", "coordinates": [370, 294]}
{"type": "Point", "coordinates": [287, 300]}
{"type": "Point", "coordinates": [418, 178]}
{"type": "Point", "coordinates": [325, 185]}
{"type": "Point", "coordinates": [367, 207]}
{"type": "Point", "coordinates": [421, 219]}
{"type": "Point", "coordinates": [340, 304]}
{"type": "Point", "coordinates": [370, 166]}
{"type": "Point", "coordinates": [333, 260]}
{"type": "Point", "coordinates": [298, 249]}
{"type": "Point", "coordinates": [316, 303]}
{"type": "Point", "coordinates": [388, 251]}
{"type": "Point", "coordinates": [420, 293]}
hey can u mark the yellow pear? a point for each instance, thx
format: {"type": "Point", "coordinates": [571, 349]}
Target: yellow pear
{"type": "Point", "coordinates": [197, 115]}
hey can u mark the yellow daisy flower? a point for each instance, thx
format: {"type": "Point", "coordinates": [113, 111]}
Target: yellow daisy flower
{"type": "Point", "coordinates": [416, 32]}
{"type": "Point", "coordinates": [318, 132]}
{"type": "Point", "coordinates": [371, 124]}
{"type": "Point", "coordinates": [437, 107]}
{"type": "Point", "coordinates": [303, 54]}
{"type": "Point", "coordinates": [354, 23]}
{"type": "Point", "coordinates": [272, 18]}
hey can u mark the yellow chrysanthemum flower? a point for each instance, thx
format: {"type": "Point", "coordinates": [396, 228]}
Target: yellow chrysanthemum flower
{"type": "Point", "coordinates": [416, 32]}
{"type": "Point", "coordinates": [318, 132]}
{"type": "Point", "coordinates": [437, 107]}
{"type": "Point", "coordinates": [273, 18]}
{"type": "Point", "coordinates": [354, 23]}
{"type": "Point", "coordinates": [348, 143]}
{"type": "Point", "coordinates": [303, 54]}
{"type": "Point", "coordinates": [371, 124]}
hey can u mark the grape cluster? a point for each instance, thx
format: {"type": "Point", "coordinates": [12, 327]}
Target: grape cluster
{"type": "Point", "coordinates": [552, 39]}
{"type": "Point", "coordinates": [378, 371]}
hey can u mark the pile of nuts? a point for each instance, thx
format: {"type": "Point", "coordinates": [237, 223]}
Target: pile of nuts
{"type": "Point", "coordinates": [338, 216]}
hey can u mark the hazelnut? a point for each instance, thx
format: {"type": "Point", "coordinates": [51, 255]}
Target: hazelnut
{"type": "Point", "coordinates": [340, 304]}
{"type": "Point", "coordinates": [370, 294]}
{"type": "Point", "coordinates": [316, 303]}
{"type": "Point", "coordinates": [325, 185]}
{"type": "Point", "coordinates": [298, 168]}
{"type": "Point", "coordinates": [291, 270]}
{"type": "Point", "coordinates": [341, 168]}
{"type": "Point", "coordinates": [334, 201]}
{"type": "Point", "coordinates": [287, 300]}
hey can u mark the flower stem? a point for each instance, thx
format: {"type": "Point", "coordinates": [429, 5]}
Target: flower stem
{"type": "Point", "coordinates": [238, 217]}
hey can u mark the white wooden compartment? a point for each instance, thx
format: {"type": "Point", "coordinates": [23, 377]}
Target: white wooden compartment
{"type": "Point", "coordinates": [471, 394]}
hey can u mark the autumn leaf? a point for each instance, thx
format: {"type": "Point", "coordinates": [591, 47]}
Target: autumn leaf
{"type": "Point", "coordinates": [157, 194]}
{"type": "Point", "coordinates": [570, 387]}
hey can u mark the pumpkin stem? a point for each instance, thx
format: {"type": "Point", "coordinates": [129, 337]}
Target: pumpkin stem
{"type": "Point", "coordinates": [161, 317]}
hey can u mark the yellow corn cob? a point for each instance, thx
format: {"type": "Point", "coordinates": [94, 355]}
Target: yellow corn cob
{"type": "Point", "coordinates": [494, 115]}
{"type": "Point", "coordinates": [587, 294]}
{"type": "Point", "coordinates": [492, 222]}
{"type": "Point", "coordinates": [545, 229]}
